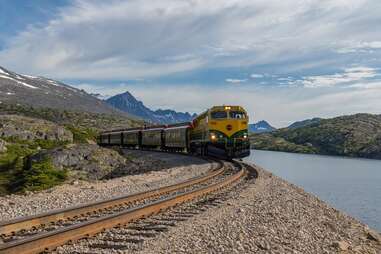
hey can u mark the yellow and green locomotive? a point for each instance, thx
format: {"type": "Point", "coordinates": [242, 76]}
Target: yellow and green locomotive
{"type": "Point", "coordinates": [221, 131]}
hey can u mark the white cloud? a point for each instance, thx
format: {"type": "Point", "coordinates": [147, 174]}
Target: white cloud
{"type": "Point", "coordinates": [349, 75]}
{"type": "Point", "coordinates": [235, 81]}
{"type": "Point", "coordinates": [360, 47]}
{"type": "Point", "coordinates": [140, 38]}
{"type": "Point", "coordinates": [254, 75]}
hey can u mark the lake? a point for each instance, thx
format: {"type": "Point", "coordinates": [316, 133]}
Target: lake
{"type": "Point", "coordinates": [348, 184]}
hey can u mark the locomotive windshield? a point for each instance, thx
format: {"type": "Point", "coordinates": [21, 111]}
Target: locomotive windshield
{"type": "Point", "coordinates": [237, 115]}
{"type": "Point", "coordinates": [219, 114]}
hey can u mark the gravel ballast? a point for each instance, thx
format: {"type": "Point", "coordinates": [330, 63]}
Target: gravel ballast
{"type": "Point", "coordinates": [270, 216]}
{"type": "Point", "coordinates": [160, 169]}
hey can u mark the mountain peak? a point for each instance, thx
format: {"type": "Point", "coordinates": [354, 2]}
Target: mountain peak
{"type": "Point", "coordinates": [128, 103]}
{"type": "Point", "coordinates": [260, 127]}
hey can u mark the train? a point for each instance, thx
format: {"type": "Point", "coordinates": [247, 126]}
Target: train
{"type": "Point", "coordinates": [220, 131]}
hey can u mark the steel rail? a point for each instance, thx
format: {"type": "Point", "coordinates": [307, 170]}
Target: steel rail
{"type": "Point", "coordinates": [28, 222]}
{"type": "Point", "coordinates": [50, 240]}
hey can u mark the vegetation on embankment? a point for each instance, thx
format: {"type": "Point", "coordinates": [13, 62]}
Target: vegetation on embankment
{"type": "Point", "coordinates": [16, 175]}
{"type": "Point", "coordinates": [79, 119]}
{"type": "Point", "coordinates": [356, 135]}
{"type": "Point", "coordinates": [62, 144]}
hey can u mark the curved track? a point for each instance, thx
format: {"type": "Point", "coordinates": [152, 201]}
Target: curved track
{"type": "Point", "coordinates": [159, 200]}
{"type": "Point", "coordinates": [13, 226]}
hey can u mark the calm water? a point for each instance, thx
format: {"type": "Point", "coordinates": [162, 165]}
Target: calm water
{"type": "Point", "coordinates": [350, 185]}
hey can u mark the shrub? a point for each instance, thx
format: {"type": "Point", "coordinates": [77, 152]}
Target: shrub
{"type": "Point", "coordinates": [15, 174]}
{"type": "Point", "coordinates": [41, 175]}
{"type": "Point", "coordinates": [82, 135]}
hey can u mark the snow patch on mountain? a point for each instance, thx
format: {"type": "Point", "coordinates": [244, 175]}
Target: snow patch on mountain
{"type": "Point", "coordinates": [18, 81]}
{"type": "Point", "coordinates": [45, 92]}
{"type": "Point", "coordinates": [54, 83]}
{"type": "Point", "coordinates": [31, 77]}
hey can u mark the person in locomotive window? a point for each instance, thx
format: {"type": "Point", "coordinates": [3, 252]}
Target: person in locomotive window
{"type": "Point", "coordinates": [237, 115]}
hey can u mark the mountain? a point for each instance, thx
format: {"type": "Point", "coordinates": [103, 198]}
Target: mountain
{"type": "Point", "coordinates": [304, 123]}
{"type": "Point", "coordinates": [261, 127]}
{"type": "Point", "coordinates": [356, 135]}
{"type": "Point", "coordinates": [128, 103]}
{"type": "Point", "coordinates": [44, 92]}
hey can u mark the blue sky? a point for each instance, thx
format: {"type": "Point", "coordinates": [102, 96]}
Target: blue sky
{"type": "Point", "coordinates": [282, 60]}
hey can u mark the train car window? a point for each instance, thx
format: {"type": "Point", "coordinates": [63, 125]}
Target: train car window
{"type": "Point", "coordinates": [237, 115]}
{"type": "Point", "coordinates": [219, 114]}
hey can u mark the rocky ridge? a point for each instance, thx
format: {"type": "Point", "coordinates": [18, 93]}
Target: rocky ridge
{"type": "Point", "coordinates": [82, 120]}
{"type": "Point", "coordinates": [27, 128]}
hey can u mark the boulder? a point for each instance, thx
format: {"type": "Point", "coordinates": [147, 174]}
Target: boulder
{"type": "Point", "coordinates": [341, 245]}
{"type": "Point", "coordinates": [373, 235]}
{"type": "Point", "coordinates": [85, 161]}
{"type": "Point", "coordinates": [3, 147]}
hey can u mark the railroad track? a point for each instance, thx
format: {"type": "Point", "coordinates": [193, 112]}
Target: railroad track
{"type": "Point", "coordinates": [46, 231]}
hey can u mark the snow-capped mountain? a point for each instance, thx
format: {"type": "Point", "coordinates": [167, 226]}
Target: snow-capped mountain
{"type": "Point", "coordinates": [128, 103]}
{"type": "Point", "coordinates": [261, 127]}
{"type": "Point", "coordinates": [44, 92]}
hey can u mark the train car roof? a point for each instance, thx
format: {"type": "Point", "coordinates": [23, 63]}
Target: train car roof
{"type": "Point", "coordinates": [121, 130]}
{"type": "Point", "coordinates": [177, 127]}
{"type": "Point", "coordinates": [228, 107]}
{"type": "Point", "coordinates": [178, 124]}
{"type": "Point", "coordinates": [223, 107]}
{"type": "Point", "coordinates": [153, 129]}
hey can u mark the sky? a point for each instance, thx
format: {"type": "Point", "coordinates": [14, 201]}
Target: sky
{"type": "Point", "coordinates": [283, 61]}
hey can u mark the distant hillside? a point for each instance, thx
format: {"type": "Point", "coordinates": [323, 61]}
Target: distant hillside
{"type": "Point", "coordinates": [354, 135]}
{"type": "Point", "coordinates": [128, 103]}
{"type": "Point", "coordinates": [81, 120]}
{"type": "Point", "coordinates": [43, 92]}
{"type": "Point", "coordinates": [304, 123]}
{"type": "Point", "coordinates": [261, 127]}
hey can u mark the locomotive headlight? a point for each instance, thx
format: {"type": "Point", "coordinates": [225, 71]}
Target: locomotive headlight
{"type": "Point", "coordinates": [245, 136]}
{"type": "Point", "coordinates": [213, 136]}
